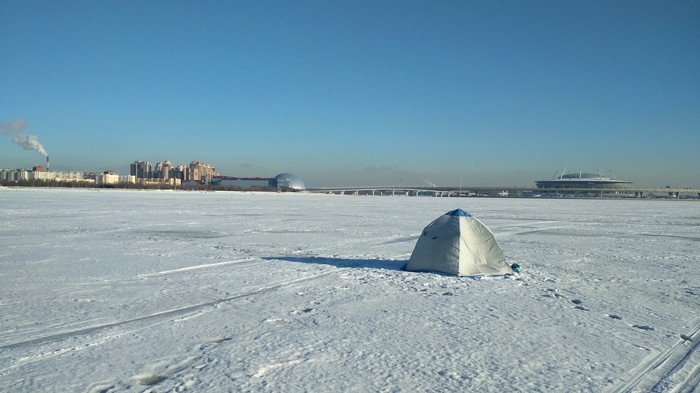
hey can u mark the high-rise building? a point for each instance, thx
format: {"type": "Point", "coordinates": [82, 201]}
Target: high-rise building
{"type": "Point", "coordinates": [196, 171]}
{"type": "Point", "coordinates": [167, 169]}
{"type": "Point", "coordinates": [141, 169]}
{"type": "Point", "coordinates": [182, 172]}
{"type": "Point", "coordinates": [158, 171]}
{"type": "Point", "coordinates": [200, 171]}
{"type": "Point", "coordinates": [163, 170]}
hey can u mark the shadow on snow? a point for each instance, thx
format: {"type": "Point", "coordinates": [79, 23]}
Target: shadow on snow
{"type": "Point", "coordinates": [349, 263]}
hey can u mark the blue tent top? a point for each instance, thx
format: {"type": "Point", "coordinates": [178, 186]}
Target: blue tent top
{"type": "Point", "coordinates": [458, 212]}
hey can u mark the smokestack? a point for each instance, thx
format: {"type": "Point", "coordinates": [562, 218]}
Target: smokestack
{"type": "Point", "coordinates": [47, 163]}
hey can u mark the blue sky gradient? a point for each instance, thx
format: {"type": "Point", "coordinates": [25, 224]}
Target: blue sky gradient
{"type": "Point", "coordinates": [358, 92]}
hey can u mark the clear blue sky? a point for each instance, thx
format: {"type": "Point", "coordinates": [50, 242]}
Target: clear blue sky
{"type": "Point", "coordinates": [358, 92]}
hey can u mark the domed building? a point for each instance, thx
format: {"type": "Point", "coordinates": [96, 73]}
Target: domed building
{"type": "Point", "coordinates": [582, 180]}
{"type": "Point", "coordinates": [288, 182]}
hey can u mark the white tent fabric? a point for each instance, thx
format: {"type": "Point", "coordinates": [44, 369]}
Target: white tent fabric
{"type": "Point", "coordinates": [457, 243]}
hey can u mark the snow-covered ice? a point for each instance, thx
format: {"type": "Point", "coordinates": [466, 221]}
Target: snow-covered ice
{"type": "Point", "coordinates": [104, 291]}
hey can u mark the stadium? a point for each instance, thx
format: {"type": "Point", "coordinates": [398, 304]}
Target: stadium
{"type": "Point", "coordinates": [583, 180]}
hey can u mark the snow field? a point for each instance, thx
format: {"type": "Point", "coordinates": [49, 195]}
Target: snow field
{"type": "Point", "coordinates": [187, 291]}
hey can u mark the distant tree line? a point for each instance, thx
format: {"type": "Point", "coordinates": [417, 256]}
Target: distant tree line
{"type": "Point", "coordinates": [131, 186]}
{"type": "Point", "coordinates": [46, 183]}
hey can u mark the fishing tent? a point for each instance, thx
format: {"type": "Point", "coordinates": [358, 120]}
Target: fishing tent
{"type": "Point", "coordinates": [457, 243]}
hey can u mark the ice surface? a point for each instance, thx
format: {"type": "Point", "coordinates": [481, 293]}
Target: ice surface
{"type": "Point", "coordinates": [105, 291]}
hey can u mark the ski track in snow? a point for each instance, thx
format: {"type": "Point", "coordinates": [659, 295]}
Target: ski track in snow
{"type": "Point", "coordinates": [161, 314]}
{"type": "Point", "coordinates": [165, 291]}
{"type": "Point", "coordinates": [676, 369]}
{"type": "Point", "coordinates": [196, 267]}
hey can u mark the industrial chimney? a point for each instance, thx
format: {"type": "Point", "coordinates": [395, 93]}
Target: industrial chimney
{"type": "Point", "coordinates": [47, 163]}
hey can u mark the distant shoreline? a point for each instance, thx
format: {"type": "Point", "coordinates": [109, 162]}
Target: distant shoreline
{"type": "Point", "coordinates": [650, 194]}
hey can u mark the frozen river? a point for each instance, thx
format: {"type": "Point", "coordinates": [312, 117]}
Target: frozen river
{"type": "Point", "coordinates": [106, 291]}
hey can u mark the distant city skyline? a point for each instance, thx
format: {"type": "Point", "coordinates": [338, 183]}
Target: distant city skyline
{"type": "Point", "coordinates": [401, 177]}
{"type": "Point", "coordinates": [200, 171]}
{"type": "Point", "coordinates": [356, 93]}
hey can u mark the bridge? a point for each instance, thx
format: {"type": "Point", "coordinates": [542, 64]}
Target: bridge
{"type": "Point", "coordinates": [518, 192]}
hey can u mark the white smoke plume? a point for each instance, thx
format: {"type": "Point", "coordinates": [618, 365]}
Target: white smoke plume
{"type": "Point", "coordinates": [28, 142]}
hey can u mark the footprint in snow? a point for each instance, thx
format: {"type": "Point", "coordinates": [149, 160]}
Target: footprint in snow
{"type": "Point", "coordinates": [551, 292]}
{"type": "Point", "coordinates": [218, 340]}
{"type": "Point", "coordinates": [278, 321]}
{"type": "Point", "coordinates": [150, 379]}
{"type": "Point", "coordinates": [101, 388]}
{"type": "Point", "coordinates": [579, 304]}
{"type": "Point", "coordinates": [687, 338]}
{"type": "Point", "coordinates": [300, 311]}
{"type": "Point", "coordinates": [166, 371]}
